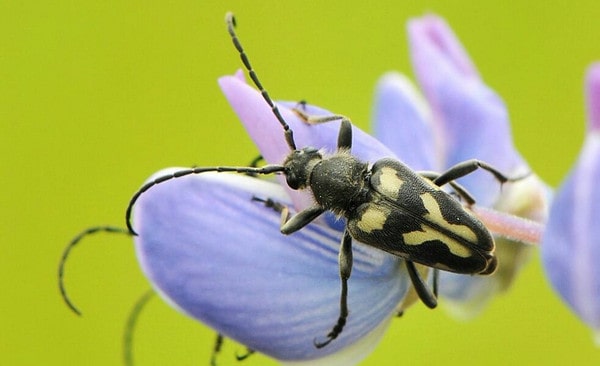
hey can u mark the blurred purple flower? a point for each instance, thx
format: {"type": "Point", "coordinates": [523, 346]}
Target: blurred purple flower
{"type": "Point", "coordinates": [571, 242]}
{"type": "Point", "coordinates": [218, 256]}
{"type": "Point", "coordinates": [461, 118]}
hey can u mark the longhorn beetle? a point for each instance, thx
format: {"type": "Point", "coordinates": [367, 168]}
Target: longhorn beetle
{"type": "Point", "coordinates": [386, 205]}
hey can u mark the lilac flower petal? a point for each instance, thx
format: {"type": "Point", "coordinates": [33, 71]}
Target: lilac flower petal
{"type": "Point", "coordinates": [472, 117]}
{"type": "Point", "coordinates": [350, 355]}
{"type": "Point", "coordinates": [267, 133]}
{"type": "Point", "coordinates": [364, 146]}
{"type": "Point", "coordinates": [402, 121]}
{"type": "Point", "coordinates": [220, 258]}
{"type": "Point", "coordinates": [431, 38]}
{"type": "Point", "coordinates": [593, 97]}
{"type": "Point", "coordinates": [473, 123]}
{"type": "Point", "coordinates": [255, 113]}
{"type": "Point", "coordinates": [571, 243]}
{"type": "Point", "coordinates": [467, 296]}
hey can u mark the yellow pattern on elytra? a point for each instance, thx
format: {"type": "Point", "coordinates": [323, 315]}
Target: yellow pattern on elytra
{"type": "Point", "coordinates": [434, 215]}
{"type": "Point", "coordinates": [372, 219]}
{"type": "Point", "coordinates": [427, 233]}
{"type": "Point", "coordinates": [390, 183]}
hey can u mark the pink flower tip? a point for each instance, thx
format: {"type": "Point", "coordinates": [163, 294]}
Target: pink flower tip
{"type": "Point", "coordinates": [593, 97]}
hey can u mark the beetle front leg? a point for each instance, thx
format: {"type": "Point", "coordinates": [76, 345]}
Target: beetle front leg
{"type": "Point", "coordinates": [289, 225]}
{"type": "Point", "coordinates": [345, 262]}
{"type": "Point", "coordinates": [315, 120]}
{"type": "Point", "coordinates": [301, 219]}
{"type": "Point", "coordinates": [345, 134]}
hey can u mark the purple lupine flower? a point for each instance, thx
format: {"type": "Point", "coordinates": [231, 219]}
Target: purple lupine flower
{"type": "Point", "coordinates": [571, 242]}
{"type": "Point", "coordinates": [462, 118]}
{"type": "Point", "coordinates": [218, 256]}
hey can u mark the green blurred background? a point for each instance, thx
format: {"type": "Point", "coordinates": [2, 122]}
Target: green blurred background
{"type": "Point", "coordinates": [95, 96]}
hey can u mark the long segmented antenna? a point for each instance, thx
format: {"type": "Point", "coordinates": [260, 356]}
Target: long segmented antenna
{"type": "Point", "coordinates": [267, 169]}
{"type": "Point", "coordinates": [289, 138]}
{"type": "Point", "coordinates": [67, 251]}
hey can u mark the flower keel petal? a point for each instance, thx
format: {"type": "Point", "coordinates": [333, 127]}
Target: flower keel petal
{"type": "Point", "coordinates": [219, 257]}
{"type": "Point", "coordinates": [571, 246]}
{"type": "Point", "coordinates": [471, 116]}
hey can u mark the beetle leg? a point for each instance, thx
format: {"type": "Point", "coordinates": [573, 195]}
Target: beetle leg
{"type": "Point", "coordinates": [436, 277]}
{"type": "Point", "coordinates": [276, 206]}
{"type": "Point", "coordinates": [249, 352]}
{"type": "Point", "coordinates": [467, 167]}
{"type": "Point", "coordinates": [254, 164]}
{"type": "Point", "coordinates": [216, 349]}
{"type": "Point", "coordinates": [315, 120]}
{"type": "Point", "coordinates": [458, 189]}
{"type": "Point", "coordinates": [289, 225]}
{"type": "Point", "coordinates": [345, 134]}
{"type": "Point", "coordinates": [345, 262]}
{"type": "Point", "coordinates": [301, 219]}
{"type": "Point", "coordinates": [344, 141]}
{"type": "Point", "coordinates": [301, 105]}
{"type": "Point", "coordinates": [427, 297]}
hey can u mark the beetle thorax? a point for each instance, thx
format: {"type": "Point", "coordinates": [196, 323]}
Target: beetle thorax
{"type": "Point", "coordinates": [338, 183]}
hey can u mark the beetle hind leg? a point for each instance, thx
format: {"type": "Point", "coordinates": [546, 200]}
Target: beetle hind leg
{"type": "Point", "coordinates": [468, 166]}
{"type": "Point", "coordinates": [428, 297]}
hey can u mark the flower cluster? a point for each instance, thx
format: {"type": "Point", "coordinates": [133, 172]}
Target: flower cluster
{"type": "Point", "coordinates": [218, 256]}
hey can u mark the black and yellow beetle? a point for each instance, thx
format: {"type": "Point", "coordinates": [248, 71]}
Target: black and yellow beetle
{"type": "Point", "coordinates": [386, 205]}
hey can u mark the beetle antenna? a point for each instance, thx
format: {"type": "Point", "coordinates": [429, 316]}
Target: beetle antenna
{"type": "Point", "coordinates": [267, 169]}
{"type": "Point", "coordinates": [289, 138]}
{"type": "Point", "coordinates": [67, 251]}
